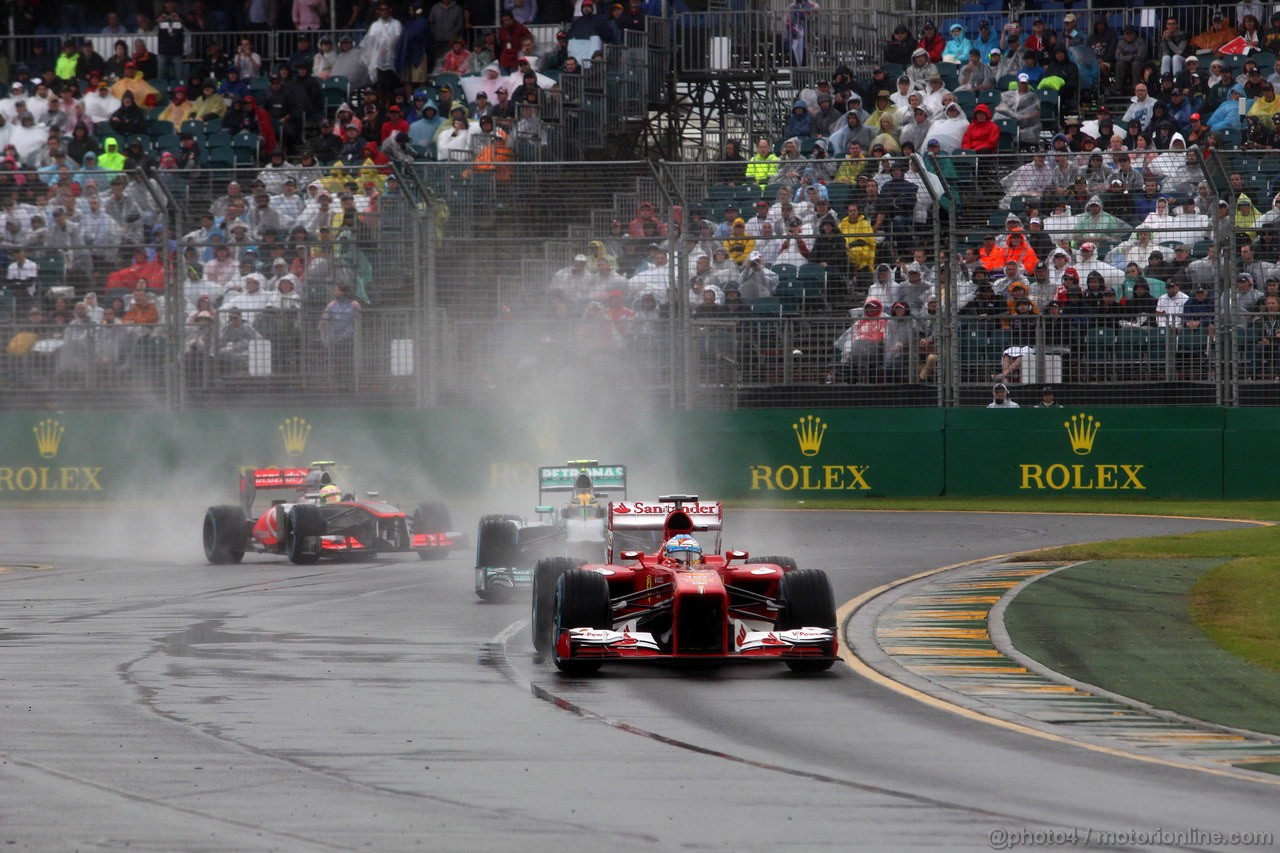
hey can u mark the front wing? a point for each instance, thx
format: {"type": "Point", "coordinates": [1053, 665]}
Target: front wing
{"type": "Point", "coordinates": [748, 645]}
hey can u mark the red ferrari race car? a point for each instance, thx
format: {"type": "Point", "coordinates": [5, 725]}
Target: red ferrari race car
{"type": "Point", "coordinates": [669, 600]}
{"type": "Point", "coordinates": [317, 520]}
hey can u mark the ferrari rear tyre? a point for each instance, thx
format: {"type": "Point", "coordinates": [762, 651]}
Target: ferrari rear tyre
{"type": "Point", "coordinates": [305, 522]}
{"type": "Point", "coordinates": [807, 602]}
{"type": "Point", "coordinates": [545, 575]}
{"type": "Point", "coordinates": [431, 517]}
{"type": "Point", "coordinates": [787, 564]}
{"type": "Point", "coordinates": [582, 601]}
{"type": "Point", "coordinates": [224, 534]}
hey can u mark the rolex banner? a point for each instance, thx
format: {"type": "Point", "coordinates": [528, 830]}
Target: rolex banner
{"type": "Point", "coordinates": [815, 454]}
{"type": "Point", "coordinates": [1117, 452]}
{"type": "Point", "coordinates": [784, 455]}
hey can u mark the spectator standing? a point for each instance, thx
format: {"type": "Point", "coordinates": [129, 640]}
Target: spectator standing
{"type": "Point", "coordinates": [414, 54]}
{"type": "Point", "coordinates": [379, 50]}
{"type": "Point", "coordinates": [337, 327]}
{"type": "Point", "coordinates": [171, 41]}
{"type": "Point", "coordinates": [306, 14]}
{"type": "Point", "coordinates": [524, 11]}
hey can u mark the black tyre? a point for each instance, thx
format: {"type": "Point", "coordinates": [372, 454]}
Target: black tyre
{"type": "Point", "coordinates": [545, 575]}
{"type": "Point", "coordinates": [305, 523]}
{"type": "Point", "coordinates": [807, 602]}
{"type": "Point", "coordinates": [582, 601]}
{"type": "Point", "coordinates": [431, 517]}
{"type": "Point", "coordinates": [224, 534]}
{"type": "Point", "coordinates": [787, 564]}
{"type": "Point", "coordinates": [497, 541]}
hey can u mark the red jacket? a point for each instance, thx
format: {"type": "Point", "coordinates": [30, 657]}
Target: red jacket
{"type": "Point", "coordinates": [509, 40]}
{"type": "Point", "coordinates": [934, 45]}
{"type": "Point", "coordinates": [981, 136]}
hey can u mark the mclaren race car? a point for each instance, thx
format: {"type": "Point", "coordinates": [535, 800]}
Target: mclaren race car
{"type": "Point", "coordinates": [677, 601]}
{"type": "Point", "coordinates": [316, 520]}
{"type": "Point", "coordinates": [508, 546]}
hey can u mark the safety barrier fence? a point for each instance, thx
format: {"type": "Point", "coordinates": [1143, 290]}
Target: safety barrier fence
{"type": "Point", "coordinates": [480, 283]}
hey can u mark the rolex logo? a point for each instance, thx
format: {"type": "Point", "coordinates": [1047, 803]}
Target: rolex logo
{"type": "Point", "coordinates": [48, 437]}
{"type": "Point", "coordinates": [809, 432]}
{"type": "Point", "coordinates": [1082, 429]}
{"type": "Point", "coordinates": [295, 431]}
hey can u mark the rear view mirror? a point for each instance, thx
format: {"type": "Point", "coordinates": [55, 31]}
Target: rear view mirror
{"type": "Point", "coordinates": [544, 509]}
{"type": "Point", "coordinates": [730, 556]}
{"type": "Point", "coordinates": [632, 555]}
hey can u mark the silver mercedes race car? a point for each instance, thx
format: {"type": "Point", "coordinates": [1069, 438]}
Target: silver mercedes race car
{"type": "Point", "coordinates": [509, 546]}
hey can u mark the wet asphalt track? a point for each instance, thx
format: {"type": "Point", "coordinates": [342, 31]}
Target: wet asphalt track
{"type": "Point", "coordinates": [159, 703]}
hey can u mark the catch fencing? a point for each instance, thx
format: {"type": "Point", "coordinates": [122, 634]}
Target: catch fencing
{"type": "Point", "coordinates": [472, 292]}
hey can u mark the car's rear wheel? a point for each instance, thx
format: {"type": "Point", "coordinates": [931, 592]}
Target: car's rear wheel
{"type": "Point", "coordinates": [497, 547]}
{"type": "Point", "coordinates": [224, 534]}
{"type": "Point", "coordinates": [582, 601]}
{"type": "Point", "coordinates": [545, 575]}
{"type": "Point", "coordinates": [806, 602]}
{"type": "Point", "coordinates": [306, 526]}
{"type": "Point", "coordinates": [431, 517]}
{"type": "Point", "coordinates": [787, 564]}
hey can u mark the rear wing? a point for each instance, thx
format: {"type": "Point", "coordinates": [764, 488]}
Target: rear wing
{"type": "Point", "coordinates": [642, 525]}
{"type": "Point", "coordinates": [570, 477]}
{"type": "Point", "coordinates": [300, 480]}
{"type": "Point", "coordinates": [644, 515]}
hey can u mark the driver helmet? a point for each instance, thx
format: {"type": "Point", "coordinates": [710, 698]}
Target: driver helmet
{"type": "Point", "coordinates": [684, 549]}
{"type": "Point", "coordinates": [330, 494]}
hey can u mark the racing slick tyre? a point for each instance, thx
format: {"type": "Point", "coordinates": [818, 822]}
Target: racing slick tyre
{"type": "Point", "coordinates": [305, 522]}
{"type": "Point", "coordinates": [806, 602]}
{"type": "Point", "coordinates": [431, 517]}
{"type": "Point", "coordinates": [581, 601]}
{"type": "Point", "coordinates": [497, 547]}
{"type": "Point", "coordinates": [545, 575]}
{"type": "Point", "coordinates": [787, 564]}
{"type": "Point", "coordinates": [224, 533]}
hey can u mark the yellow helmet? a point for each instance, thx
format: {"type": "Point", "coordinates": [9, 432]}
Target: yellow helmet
{"type": "Point", "coordinates": [330, 494]}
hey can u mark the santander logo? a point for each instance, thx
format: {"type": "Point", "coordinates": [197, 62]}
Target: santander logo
{"type": "Point", "coordinates": [642, 508]}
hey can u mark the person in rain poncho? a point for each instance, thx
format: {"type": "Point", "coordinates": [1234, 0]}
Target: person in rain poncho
{"type": "Point", "coordinates": [917, 130]}
{"type": "Point", "coordinates": [379, 48]}
{"type": "Point", "coordinates": [1023, 105]}
{"type": "Point", "coordinates": [851, 129]}
{"type": "Point", "coordinates": [920, 69]}
{"type": "Point", "coordinates": [958, 46]}
{"type": "Point", "coordinates": [1095, 225]}
{"type": "Point", "coordinates": [949, 128]}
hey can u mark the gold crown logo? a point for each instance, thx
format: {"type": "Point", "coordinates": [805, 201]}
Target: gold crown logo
{"type": "Point", "coordinates": [48, 437]}
{"type": "Point", "coordinates": [1082, 429]}
{"type": "Point", "coordinates": [809, 433]}
{"type": "Point", "coordinates": [295, 431]}
{"type": "Point", "coordinates": [546, 429]}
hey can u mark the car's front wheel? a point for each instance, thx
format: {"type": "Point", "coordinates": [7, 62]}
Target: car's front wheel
{"type": "Point", "coordinates": [582, 601]}
{"type": "Point", "coordinates": [807, 602]}
{"type": "Point", "coordinates": [306, 526]}
{"type": "Point", "coordinates": [545, 576]}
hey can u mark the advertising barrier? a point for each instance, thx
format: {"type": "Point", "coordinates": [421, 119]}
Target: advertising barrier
{"type": "Point", "coordinates": [1148, 452]}
{"type": "Point", "coordinates": [790, 455]}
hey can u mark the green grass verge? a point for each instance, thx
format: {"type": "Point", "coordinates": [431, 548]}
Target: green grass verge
{"type": "Point", "coordinates": [1124, 625]}
{"type": "Point", "coordinates": [1238, 606]}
